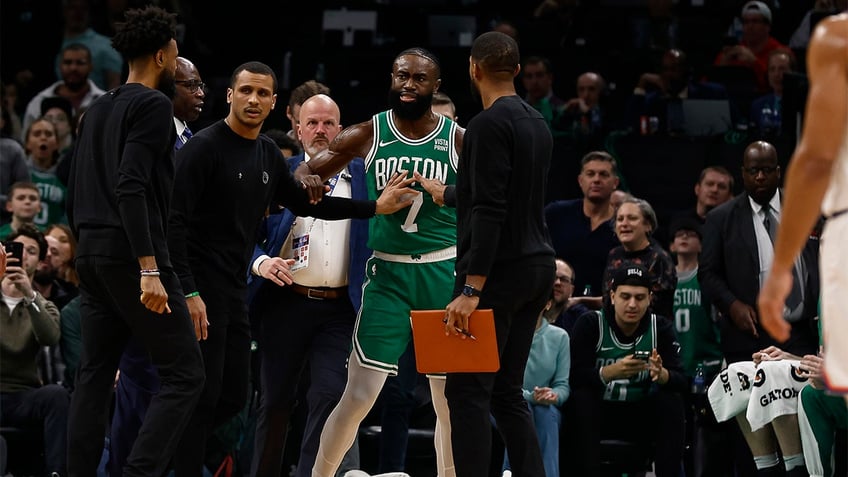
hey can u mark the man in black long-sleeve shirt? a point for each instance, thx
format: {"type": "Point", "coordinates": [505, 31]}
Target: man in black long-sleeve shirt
{"type": "Point", "coordinates": [504, 259]}
{"type": "Point", "coordinates": [119, 195]}
{"type": "Point", "coordinates": [227, 176]}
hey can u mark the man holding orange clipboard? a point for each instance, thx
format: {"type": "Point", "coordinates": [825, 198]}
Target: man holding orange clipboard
{"type": "Point", "coordinates": [504, 259]}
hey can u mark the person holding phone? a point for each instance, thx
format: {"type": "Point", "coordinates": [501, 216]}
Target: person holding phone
{"type": "Point", "coordinates": [29, 323]}
{"type": "Point", "coordinates": [626, 374]}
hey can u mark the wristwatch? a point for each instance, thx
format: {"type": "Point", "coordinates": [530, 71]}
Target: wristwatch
{"type": "Point", "coordinates": [469, 290]}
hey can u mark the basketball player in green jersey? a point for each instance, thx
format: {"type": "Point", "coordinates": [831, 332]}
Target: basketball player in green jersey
{"type": "Point", "coordinates": [414, 251]}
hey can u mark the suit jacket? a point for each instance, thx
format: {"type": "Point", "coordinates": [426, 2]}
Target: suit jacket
{"type": "Point", "coordinates": [729, 270]}
{"type": "Point", "coordinates": [276, 227]}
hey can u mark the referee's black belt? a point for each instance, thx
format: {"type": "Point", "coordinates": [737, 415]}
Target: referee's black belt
{"type": "Point", "coordinates": [322, 293]}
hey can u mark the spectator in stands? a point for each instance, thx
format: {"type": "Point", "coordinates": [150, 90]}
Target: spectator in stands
{"type": "Point", "coordinates": [76, 85]}
{"type": "Point", "coordinates": [106, 62]}
{"type": "Point", "coordinates": [59, 111]}
{"type": "Point", "coordinates": [564, 310]}
{"type": "Point", "coordinates": [546, 387]}
{"type": "Point", "coordinates": [13, 168]}
{"type": "Point", "coordinates": [537, 77]}
{"type": "Point", "coordinates": [635, 222]}
{"type": "Point", "coordinates": [297, 96]}
{"type": "Point", "coordinates": [506, 27]}
{"type": "Point", "coordinates": [24, 204]}
{"type": "Point", "coordinates": [55, 277]}
{"type": "Point", "coordinates": [756, 44]}
{"type": "Point", "coordinates": [714, 187]}
{"type": "Point", "coordinates": [698, 336]}
{"type": "Point", "coordinates": [443, 104]}
{"type": "Point", "coordinates": [619, 394]}
{"type": "Point", "coordinates": [585, 116]}
{"type": "Point", "coordinates": [801, 36]}
{"type": "Point", "coordinates": [766, 111]}
{"type": "Point", "coordinates": [43, 156]}
{"type": "Point", "coordinates": [11, 121]}
{"type": "Point", "coordinates": [674, 82]}
{"type": "Point", "coordinates": [582, 231]}
{"type": "Point", "coordinates": [29, 323]}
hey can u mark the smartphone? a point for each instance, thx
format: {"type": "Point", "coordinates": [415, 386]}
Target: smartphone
{"type": "Point", "coordinates": [643, 355]}
{"type": "Point", "coordinates": [14, 250]}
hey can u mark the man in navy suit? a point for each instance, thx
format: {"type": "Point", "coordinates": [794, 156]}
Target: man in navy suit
{"type": "Point", "coordinates": [309, 322]}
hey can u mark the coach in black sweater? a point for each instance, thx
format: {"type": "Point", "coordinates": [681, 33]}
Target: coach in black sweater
{"type": "Point", "coordinates": [227, 177]}
{"type": "Point", "coordinates": [504, 259]}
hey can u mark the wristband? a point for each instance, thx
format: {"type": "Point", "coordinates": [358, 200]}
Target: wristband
{"type": "Point", "coordinates": [151, 272]}
{"type": "Point", "coordinates": [192, 294]}
{"type": "Point", "coordinates": [601, 376]}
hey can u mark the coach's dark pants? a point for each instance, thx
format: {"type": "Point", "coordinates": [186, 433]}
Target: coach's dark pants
{"type": "Point", "coordinates": [517, 296]}
{"type": "Point", "coordinates": [226, 356]}
{"type": "Point", "coordinates": [297, 330]}
{"type": "Point", "coordinates": [111, 313]}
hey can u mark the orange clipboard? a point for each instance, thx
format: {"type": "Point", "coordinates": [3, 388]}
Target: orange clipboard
{"type": "Point", "coordinates": [436, 353]}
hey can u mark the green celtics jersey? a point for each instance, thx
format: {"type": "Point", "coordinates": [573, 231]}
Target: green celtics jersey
{"type": "Point", "coordinates": [424, 226]}
{"type": "Point", "coordinates": [610, 350]}
{"type": "Point", "coordinates": [52, 193]}
{"type": "Point", "coordinates": [697, 333]}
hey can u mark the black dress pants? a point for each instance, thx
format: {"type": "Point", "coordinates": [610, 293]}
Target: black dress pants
{"type": "Point", "coordinates": [517, 296]}
{"type": "Point", "coordinates": [111, 313]}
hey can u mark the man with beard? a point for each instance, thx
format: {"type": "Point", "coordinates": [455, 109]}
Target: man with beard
{"type": "Point", "coordinates": [75, 86]}
{"type": "Point", "coordinates": [565, 310]}
{"type": "Point", "coordinates": [414, 251]}
{"type": "Point", "coordinates": [504, 259]}
{"type": "Point", "coordinates": [138, 381]}
{"type": "Point", "coordinates": [228, 175]}
{"type": "Point", "coordinates": [46, 279]}
{"type": "Point", "coordinates": [118, 202]}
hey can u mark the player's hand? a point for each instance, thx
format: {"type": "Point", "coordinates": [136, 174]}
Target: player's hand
{"type": "Point", "coordinates": [744, 318]}
{"type": "Point", "coordinates": [772, 353]}
{"type": "Point", "coordinates": [433, 187]}
{"type": "Point", "coordinates": [278, 270]}
{"type": "Point", "coordinates": [812, 366]}
{"type": "Point", "coordinates": [315, 188]}
{"type": "Point", "coordinates": [153, 295]}
{"type": "Point", "coordinates": [457, 313]}
{"type": "Point", "coordinates": [197, 310]}
{"type": "Point", "coordinates": [397, 194]}
{"type": "Point", "coordinates": [771, 302]}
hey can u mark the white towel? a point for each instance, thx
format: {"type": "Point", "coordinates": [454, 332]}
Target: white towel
{"type": "Point", "coordinates": [730, 391]}
{"type": "Point", "coordinates": [775, 391]}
